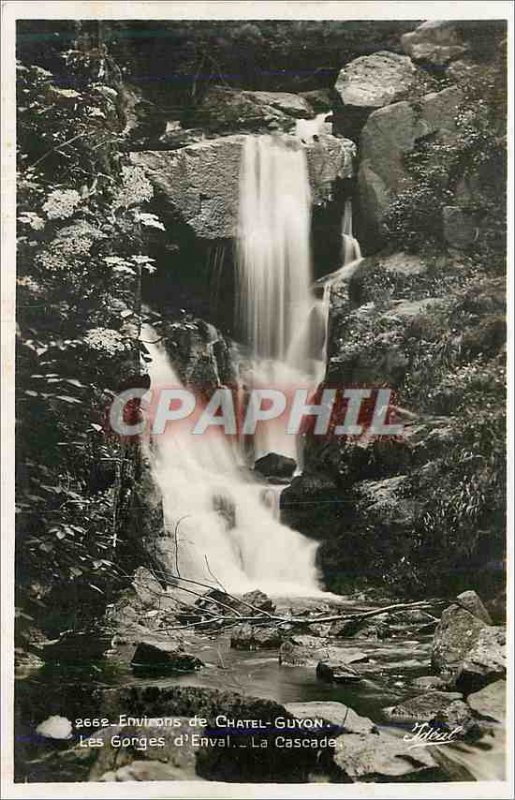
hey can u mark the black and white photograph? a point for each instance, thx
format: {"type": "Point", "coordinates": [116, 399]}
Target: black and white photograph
{"type": "Point", "coordinates": [255, 313]}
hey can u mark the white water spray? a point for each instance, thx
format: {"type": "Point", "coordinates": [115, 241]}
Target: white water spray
{"type": "Point", "coordinates": [220, 529]}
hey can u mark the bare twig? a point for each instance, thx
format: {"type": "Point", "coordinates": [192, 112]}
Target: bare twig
{"type": "Point", "coordinates": [213, 575]}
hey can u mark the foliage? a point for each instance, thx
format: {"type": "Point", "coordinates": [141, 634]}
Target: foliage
{"type": "Point", "coordinates": [81, 214]}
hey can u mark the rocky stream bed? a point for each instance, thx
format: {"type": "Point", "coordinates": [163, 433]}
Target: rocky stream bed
{"type": "Point", "coordinates": [163, 692]}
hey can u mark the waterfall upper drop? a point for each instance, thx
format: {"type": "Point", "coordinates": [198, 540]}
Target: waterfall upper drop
{"type": "Point", "coordinates": [274, 262]}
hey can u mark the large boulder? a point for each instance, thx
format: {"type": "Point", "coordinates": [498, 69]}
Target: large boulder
{"type": "Point", "coordinates": [224, 108]}
{"type": "Point", "coordinates": [200, 182]}
{"type": "Point", "coordinates": [490, 702]}
{"type": "Point", "coordinates": [156, 657]}
{"type": "Point", "coordinates": [378, 756]}
{"type": "Point", "coordinates": [485, 662]}
{"type": "Point", "coordinates": [389, 134]}
{"type": "Point", "coordinates": [421, 707]}
{"type": "Point", "coordinates": [471, 601]}
{"type": "Point", "coordinates": [456, 634]}
{"type": "Point", "coordinates": [436, 42]}
{"type": "Point", "coordinates": [275, 465]}
{"type": "Point", "coordinates": [369, 83]}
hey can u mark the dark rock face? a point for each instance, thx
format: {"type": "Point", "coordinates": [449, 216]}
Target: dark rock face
{"type": "Point", "coordinates": [369, 83]}
{"type": "Point", "coordinates": [162, 657]}
{"type": "Point", "coordinates": [275, 465]}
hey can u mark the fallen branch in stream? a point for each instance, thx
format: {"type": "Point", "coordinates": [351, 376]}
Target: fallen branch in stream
{"type": "Point", "coordinates": [218, 613]}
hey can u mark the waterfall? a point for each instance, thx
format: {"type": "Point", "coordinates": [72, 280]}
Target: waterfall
{"type": "Point", "coordinates": [273, 245]}
{"type": "Point", "coordinates": [222, 524]}
{"type": "Point", "coordinates": [279, 319]}
{"type": "Point", "coordinates": [351, 250]}
{"type": "Point", "coordinates": [220, 529]}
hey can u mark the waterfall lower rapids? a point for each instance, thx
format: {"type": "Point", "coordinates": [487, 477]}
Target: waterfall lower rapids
{"type": "Point", "coordinates": [220, 523]}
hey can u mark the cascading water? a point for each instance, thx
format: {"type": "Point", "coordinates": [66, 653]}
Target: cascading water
{"type": "Point", "coordinates": [351, 250]}
{"type": "Point", "coordinates": [278, 317]}
{"type": "Point", "coordinates": [220, 528]}
{"type": "Point", "coordinates": [222, 525]}
{"type": "Point", "coordinates": [273, 243]}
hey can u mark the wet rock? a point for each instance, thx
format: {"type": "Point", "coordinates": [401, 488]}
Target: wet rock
{"type": "Point", "coordinates": [161, 657]}
{"type": "Point", "coordinates": [429, 682]}
{"type": "Point", "coordinates": [259, 600]}
{"type": "Point", "coordinates": [302, 651]}
{"type": "Point", "coordinates": [459, 228]}
{"type": "Point", "coordinates": [389, 134]}
{"type": "Point", "coordinates": [371, 82]}
{"type": "Point", "coordinates": [275, 465]}
{"type": "Point", "coordinates": [490, 701]}
{"type": "Point", "coordinates": [200, 181]}
{"type": "Point", "coordinates": [485, 661]}
{"type": "Point", "coordinates": [421, 707]}
{"type": "Point", "coordinates": [471, 601]}
{"type": "Point", "coordinates": [435, 42]}
{"type": "Point", "coordinates": [308, 651]}
{"type": "Point", "coordinates": [343, 718]}
{"type": "Point", "coordinates": [456, 634]}
{"type": "Point", "coordinates": [252, 637]}
{"type": "Point", "coordinates": [337, 670]}
{"type": "Point", "coordinates": [378, 756]}
{"type": "Point", "coordinates": [77, 647]}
